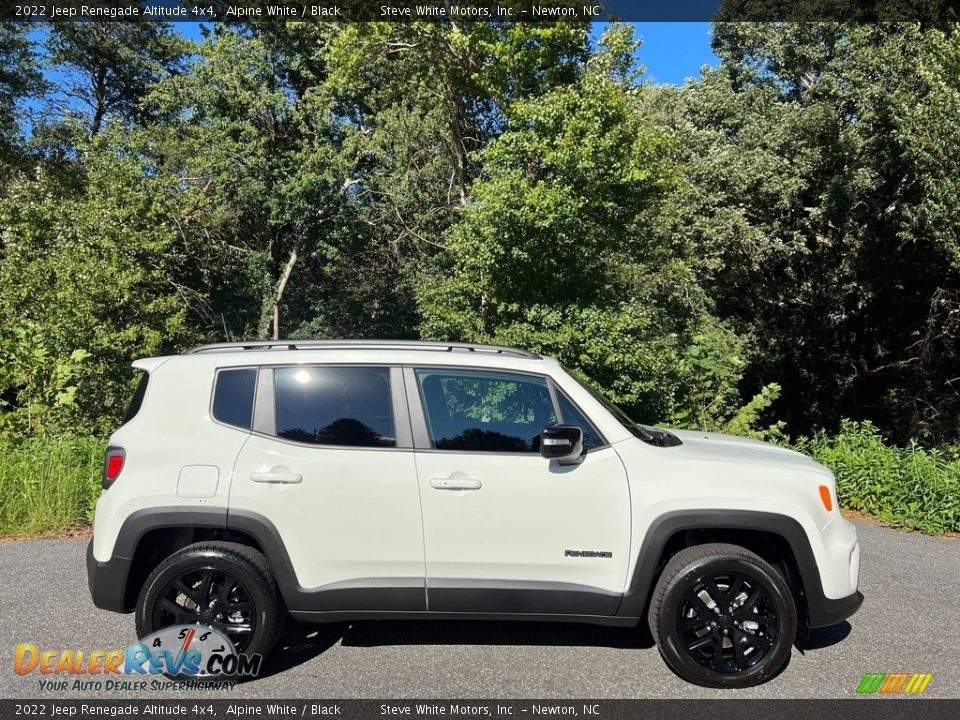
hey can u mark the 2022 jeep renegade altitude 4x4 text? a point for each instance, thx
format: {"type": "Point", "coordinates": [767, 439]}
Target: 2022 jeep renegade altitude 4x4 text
{"type": "Point", "coordinates": [341, 480]}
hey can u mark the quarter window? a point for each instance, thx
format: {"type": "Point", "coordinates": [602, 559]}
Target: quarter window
{"type": "Point", "coordinates": [233, 397]}
{"type": "Point", "coordinates": [573, 416]}
{"type": "Point", "coordinates": [137, 401]}
{"type": "Point", "coordinates": [335, 406]}
{"type": "Point", "coordinates": [483, 411]}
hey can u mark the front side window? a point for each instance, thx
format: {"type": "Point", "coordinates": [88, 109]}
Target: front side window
{"type": "Point", "coordinates": [335, 406]}
{"type": "Point", "coordinates": [485, 411]}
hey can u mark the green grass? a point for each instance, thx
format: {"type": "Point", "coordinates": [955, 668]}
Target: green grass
{"type": "Point", "coordinates": [48, 484]}
{"type": "Point", "coordinates": [910, 487]}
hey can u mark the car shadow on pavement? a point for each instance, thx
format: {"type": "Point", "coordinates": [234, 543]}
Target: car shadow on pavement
{"type": "Point", "coordinates": [819, 638]}
{"type": "Point", "coordinates": [301, 642]}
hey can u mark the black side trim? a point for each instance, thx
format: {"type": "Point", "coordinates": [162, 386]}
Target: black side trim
{"type": "Point", "coordinates": [505, 596]}
{"type": "Point", "coordinates": [329, 617]}
{"type": "Point", "coordinates": [371, 594]}
{"type": "Point", "coordinates": [821, 610]}
{"type": "Point", "coordinates": [108, 579]}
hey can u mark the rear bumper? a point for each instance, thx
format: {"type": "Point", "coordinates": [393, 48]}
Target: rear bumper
{"type": "Point", "coordinates": [108, 581]}
{"type": "Point", "coordinates": [823, 611]}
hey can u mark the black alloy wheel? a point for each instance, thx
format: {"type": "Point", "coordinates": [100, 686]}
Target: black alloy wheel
{"type": "Point", "coordinates": [222, 585]}
{"type": "Point", "coordinates": [723, 617]}
{"type": "Point", "coordinates": [727, 622]}
{"type": "Point", "coordinates": [208, 596]}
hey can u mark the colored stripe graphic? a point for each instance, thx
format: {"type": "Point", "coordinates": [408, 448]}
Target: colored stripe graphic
{"type": "Point", "coordinates": [894, 683]}
{"type": "Point", "coordinates": [871, 682]}
{"type": "Point", "coordinates": [922, 685]}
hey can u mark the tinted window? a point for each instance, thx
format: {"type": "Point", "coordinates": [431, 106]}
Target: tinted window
{"type": "Point", "coordinates": [496, 412]}
{"type": "Point", "coordinates": [233, 397]}
{"type": "Point", "coordinates": [335, 406]}
{"type": "Point", "coordinates": [572, 416]}
{"type": "Point", "coordinates": [137, 400]}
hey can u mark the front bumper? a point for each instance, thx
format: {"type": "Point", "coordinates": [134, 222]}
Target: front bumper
{"type": "Point", "coordinates": [831, 580]}
{"type": "Point", "coordinates": [108, 581]}
{"type": "Point", "coordinates": [824, 612]}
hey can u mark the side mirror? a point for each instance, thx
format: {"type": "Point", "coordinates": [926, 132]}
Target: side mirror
{"type": "Point", "coordinates": [563, 443]}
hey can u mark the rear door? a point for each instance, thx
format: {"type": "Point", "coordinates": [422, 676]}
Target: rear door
{"type": "Point", "coordinates": [505, 530]}
{"type": "Point", "coordinates": [330, 464]}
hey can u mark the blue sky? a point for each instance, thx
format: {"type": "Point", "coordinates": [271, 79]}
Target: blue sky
{"type": "Point", "coordinates": [674, 51]}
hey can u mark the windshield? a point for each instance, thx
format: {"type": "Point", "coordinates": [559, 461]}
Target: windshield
{"type": "Point", "coordinates": [638, 430]}
{"type": "Point", "coordinates": [650, 435]}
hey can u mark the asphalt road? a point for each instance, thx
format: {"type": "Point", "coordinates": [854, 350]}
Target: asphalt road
{"type": "Point", "coordinates": [909, 622]}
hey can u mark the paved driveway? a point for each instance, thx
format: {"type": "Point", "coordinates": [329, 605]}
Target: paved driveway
{"type": "Point", "coordinates": [909, 622]}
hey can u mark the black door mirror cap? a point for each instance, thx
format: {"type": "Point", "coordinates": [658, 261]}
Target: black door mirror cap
{"type": "Point", "coordinates": [563, 443]}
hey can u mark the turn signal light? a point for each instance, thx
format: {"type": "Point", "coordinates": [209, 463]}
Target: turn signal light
{"type": "Point", "coordinates": [825, 497]}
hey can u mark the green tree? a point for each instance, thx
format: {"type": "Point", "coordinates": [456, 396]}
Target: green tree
{"type": "Point", "coordinates": [816, 207]}
{"type": "Point", "coordinates": [92, 280]}
{"type": "Point", "coordinates": [331, 159]}
{"type": "Point", "coordinates": [563, 248]}
{"type": "Point", "coordinates": [263, 153]}
{"type": "Point", "coordinates": [107, 68]}
{"type": "Point", "coordinates": [19, 77]}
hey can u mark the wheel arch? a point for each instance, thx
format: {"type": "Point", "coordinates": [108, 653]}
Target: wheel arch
{"type": "Point", "coordinates": [148, 537]}
{"type": "Point", "coordinates": [775, 537]}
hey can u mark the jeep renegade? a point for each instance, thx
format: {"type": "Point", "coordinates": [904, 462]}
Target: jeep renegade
{"type": "Point", "coordinates": [343, 480]}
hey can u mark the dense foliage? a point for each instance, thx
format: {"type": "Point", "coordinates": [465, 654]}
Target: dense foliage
{"type": "Point", "coordinates": [909, 487]}
{"type": "Point", "coordinates": [768, 249]}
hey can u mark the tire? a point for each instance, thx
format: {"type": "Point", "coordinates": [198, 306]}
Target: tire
{"type": "Point", "coordinates": [706, 642]}
{"type": "Point", "coordinates": [212, 565]}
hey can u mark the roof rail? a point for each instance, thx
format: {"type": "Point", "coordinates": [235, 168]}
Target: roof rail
{"type": "Point", "coordinates": [361, 345]}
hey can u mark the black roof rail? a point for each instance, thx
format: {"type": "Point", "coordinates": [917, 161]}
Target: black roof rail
{"type": "Point", "coordinates": [361, 345]}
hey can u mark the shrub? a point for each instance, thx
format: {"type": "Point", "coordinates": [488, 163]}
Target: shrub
{"type": "Point", "coordinates": [911, 487]}
{"type": "Point", "coordinates": [48, 484]}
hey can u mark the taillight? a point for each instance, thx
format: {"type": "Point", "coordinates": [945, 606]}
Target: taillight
{"type": "Point", "coordinates": [113, 465]}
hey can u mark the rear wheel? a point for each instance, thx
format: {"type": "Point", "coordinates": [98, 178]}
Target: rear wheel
{"type": "Point", "coordinates": [222, 585]}
{"type": "Point", "coordinates": [723, 617]}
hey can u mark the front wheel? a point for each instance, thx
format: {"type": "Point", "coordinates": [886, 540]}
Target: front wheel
{"type": "Point", "coordinates": [222, 585]}
{"type": "Point", "coordinates": [723, 617]}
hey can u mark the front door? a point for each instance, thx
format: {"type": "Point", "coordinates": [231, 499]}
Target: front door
{"type": "Point", "coordinates": [331, 466]}
{"type": "Point", "coordinates": [505, 530]}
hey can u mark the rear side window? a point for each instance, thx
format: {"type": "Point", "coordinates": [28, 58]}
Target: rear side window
{"type": "Point", "coordinates": [137, 400]}
{"type": "Point", "coordinates": [233, 397]}
{"type": "Point", "coordinates": [347, 406]}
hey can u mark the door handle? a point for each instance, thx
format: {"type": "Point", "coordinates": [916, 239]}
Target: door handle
{"type": "Point", "coordinates": [450, 483]}
{"type": "Point", "coordinates": [276, 477]}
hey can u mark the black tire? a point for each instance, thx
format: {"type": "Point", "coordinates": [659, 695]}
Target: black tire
{"type": "Point", "coordinates": [251, 584]}
{"type": "Point", "coordinates": [740, 639]}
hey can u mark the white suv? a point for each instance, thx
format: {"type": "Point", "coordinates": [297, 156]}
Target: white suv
{"type": "Point", "coordinates": [342, 480]}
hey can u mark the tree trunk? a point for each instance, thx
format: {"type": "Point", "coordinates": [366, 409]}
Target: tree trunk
{"type": "Point", "coordinates": [274, 317]}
